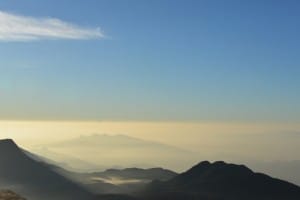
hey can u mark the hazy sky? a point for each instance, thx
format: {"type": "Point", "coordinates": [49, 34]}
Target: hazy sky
{"type": "Point", "coordinates": [226, 141]}
{"type": "Point", "coordinates": [211, 76]}
{"type": "Point", "coordinates": [150, 60]}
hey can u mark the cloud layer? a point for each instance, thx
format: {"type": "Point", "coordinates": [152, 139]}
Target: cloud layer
{"type": "Point", "coordinates": [23, 28]}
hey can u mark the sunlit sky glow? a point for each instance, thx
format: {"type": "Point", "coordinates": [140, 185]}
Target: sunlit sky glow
{"type": "Point", "coordinates": [203, 137]}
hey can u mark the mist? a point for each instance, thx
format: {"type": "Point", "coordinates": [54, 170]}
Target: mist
{"type": "Point", "coordinates": [183, 143]}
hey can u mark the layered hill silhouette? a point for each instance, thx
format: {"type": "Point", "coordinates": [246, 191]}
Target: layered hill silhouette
{"type": "Point", "coordinates": [28, 175]}
{"type": "Point", "coordinates": [116, 181]}
{"type": "Point", "coordinates": [128, 180]}
{"type": "Point", "coordinates": [222, 181]}
{"type": "Point", "coordinates": [34, 179]}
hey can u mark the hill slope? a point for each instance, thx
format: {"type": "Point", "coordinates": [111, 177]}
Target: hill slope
{"type": "Point", "coordinates": [34, 179]}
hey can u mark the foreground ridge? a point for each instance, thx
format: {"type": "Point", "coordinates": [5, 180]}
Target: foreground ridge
{"type": "Point", "coordinates": [9, 195]}
{"type": "Point", "coordinates": [220, 180]}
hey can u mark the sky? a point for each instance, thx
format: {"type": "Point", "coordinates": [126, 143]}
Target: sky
{"type": "Point", "coordinates": [210, 76]}
{"type": "Point", "coordinates": [154, 60]}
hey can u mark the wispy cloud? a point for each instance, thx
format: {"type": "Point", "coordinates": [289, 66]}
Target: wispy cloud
{"type": "Point", "coordinates": [24, 28]}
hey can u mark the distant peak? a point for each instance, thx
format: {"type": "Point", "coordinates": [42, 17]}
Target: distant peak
{"type": "Point", "coordinates": [202, 164]}
{"type": "Point", "coordinates": [216, 163]}
{"type": "Point", "coordinates": [7, 141]}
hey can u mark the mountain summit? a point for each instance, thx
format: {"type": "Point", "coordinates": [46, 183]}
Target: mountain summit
{"type": "Point", "coordinates": [8, 144]}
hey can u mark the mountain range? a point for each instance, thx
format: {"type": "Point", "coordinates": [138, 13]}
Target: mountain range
{"type": "Point", "coordinates": [30, 176]}
{"type": "Point", "coordinates": [116, 181]}
{"type": "Point", "coordinates": [99, 152]}
{"type": "Point", "coordinates": [117, 151]}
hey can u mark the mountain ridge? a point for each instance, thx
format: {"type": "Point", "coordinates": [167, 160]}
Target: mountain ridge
{"type": "Point", "coordinates": [220, 180]}
{"type": "Point", "coordinates": [204, 181]}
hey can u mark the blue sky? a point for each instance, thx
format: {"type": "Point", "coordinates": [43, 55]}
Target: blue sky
{"type": "Point", "coordinates": [151, 60]}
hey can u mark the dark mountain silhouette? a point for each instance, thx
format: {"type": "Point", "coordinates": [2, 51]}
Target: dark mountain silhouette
{"type": "Point", "coordinates": [127, 180]}
{"type": "Point", "coordinates": [28, 175]}
{"type": "Point", "coordinates": [116, 181]}
{"type": "Point", "coordinates": [34, 179]}
{"type": "Point", "coordinates": [222, 181]}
